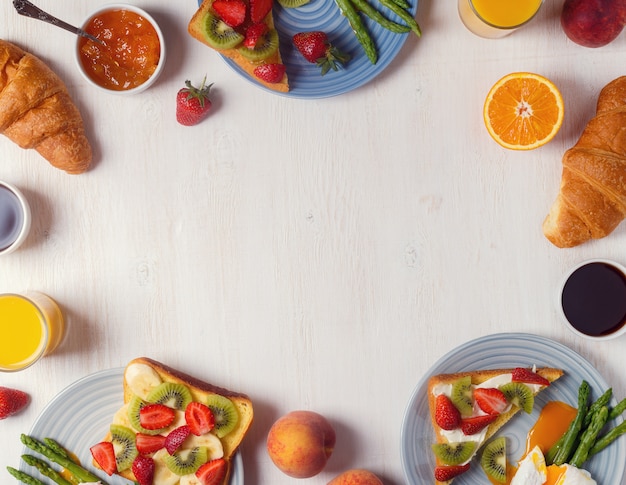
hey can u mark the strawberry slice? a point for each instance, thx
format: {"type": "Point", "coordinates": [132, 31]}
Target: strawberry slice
{"type": "Point", "coordinates": [199, 418]}
{"type": "Point", "coordinates": [212, 472]}
{"type": "Point", "coordinates": [445, 473]}
{"type": "Point", "coordinates": [147, 444]}
{"type": "Point", "coordinates": [520, 374]}
{"type": "Point", "coordinates": [254, 34]}
{"type": "Point", "coordinates": [156, 416]}
{"type": "Point", "coordinates": [104, 455]}
{"type": "Point", "coordinates": [175, 438]}
{"type": "Point", "coordinates": [259, 9]}
{"type": "Point", "coordinates": [447, 416]}
{"type": "Point", "coordinates": [232, 12]}
{"type": "Point", "coordinates": [476, 424]}
{"type": "Point", "coordinates": [143, 469]}
{"type": "Point", "coordinates": [490, 400]}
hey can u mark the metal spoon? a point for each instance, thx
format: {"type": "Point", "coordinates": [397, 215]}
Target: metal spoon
{"type": "Point", "coordinates": [24, 7]}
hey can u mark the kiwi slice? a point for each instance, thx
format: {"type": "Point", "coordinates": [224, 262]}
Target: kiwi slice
{"type": "Point", "coordinates": [292, 3]}
{"type": "Point", "coordinates": [171, 394]}
{"type": "Point", "coordinates": [520, 395]}
{"type": "Point", "coordinates": [123, 440]}
{"type": "Point", "coordinates": [225, 413]}
{"type": "Point", "coordinates": [461, 395]}
{"type": "Point", "coordinates": [134, 406]}
{"type": "Point", "coordinates": [493, 459]}
{"type": "Point", "coordinates": [265, 47]}
{"type": "Point", "coordinates": [219, 34]}
{"type": "Point", "coordinates": [454, 453]}
{"type": "Point", "coordinates": [187, 461]}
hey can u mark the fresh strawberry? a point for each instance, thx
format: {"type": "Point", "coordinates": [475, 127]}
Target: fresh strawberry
{"type": "Point", "coordinates": [490, 400]}
{"type": "Point", "coordinates": [270, 73]}
{"type": "Point", "coordinates": [143, 469]}
{"type": "Point", "coordinates": [12, 401]}
{"type": "Point", "coordinates": [445, 473]}
{"type": "Point", "coordinates": [156, 416]}
{"type": "Point", "coordinates": [317, 49]}
{"type": "Point", "coordinates": [212, 472]}
{"type": "Point", "coordinates": [104, 455]}
{"type": "Point", "coordinates": [259, 9]}
{"type": "Point", "coordinates": [475, 424]}
{"type": "Point", "coordinates": [175, 438]}
{"type": "Point", "coordinates": [199, 418]}
{"type": "Point", "coordinates": [254, 33]}
{"type": "Point", "coordinates": [447, 416]}
{"type": "Point", "coordinates": [521, 374]}
{"type": "Point", "coordinates": [232, 12]}
{"type": "Point", "coordinates": [147, 444]}
{"type": "Point", "coordinates": [193, 104]}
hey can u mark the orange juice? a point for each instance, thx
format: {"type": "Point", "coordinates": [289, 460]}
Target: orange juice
{"type": "Point", "coordinates": [496, 18]}
{"type": "Point", "coordinates": [31, 326]}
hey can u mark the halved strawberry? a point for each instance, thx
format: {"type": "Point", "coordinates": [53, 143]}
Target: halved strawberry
{"type": "Point", "coordinates": [445, 473]}
{"type": "Point", "coordinates": [270, 73]}
{"type": "Point", "coordinates": [476, 424]}
{"type": "Point", "coordinates": [447, 416]}
{"type": "Point", "coordinates": [175, 438]}
{"type": "Point", "coordinates": [521, 374]}
{"type": "Point", "coordinates": [199, 418]}
{"type": "Point", "coordinates": [212, 472]}
{"type": "Point", "coordinates": [254, 33]}
{"type": "Point", "coordinates": [143, 469]}
{"type": "Point", "coordinates": [490, 400]}
{"type": "Point", "coordinates": [232, 12]}
{"type": "Point", "coordinates": [147, 444]}
{"type": "Point", "coordinates": [259, 9]}
{"type": "Point", "coordinates": [104, 455]}
{"type": "Point", "coordinates": [156, 416]}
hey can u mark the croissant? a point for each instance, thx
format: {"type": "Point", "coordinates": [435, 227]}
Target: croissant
{"type": "Point", "coordinates": [592, 198]}
{"type": "Point", "coordinates": [37, 112]}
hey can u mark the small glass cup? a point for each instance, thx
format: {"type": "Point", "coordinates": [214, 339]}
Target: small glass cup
{"type": "Point", "coordinates": [493, 19]}
{"type": "Point", "coordinates": [14, 218]}
{"type": "Point", "coordinates": [31, 326]}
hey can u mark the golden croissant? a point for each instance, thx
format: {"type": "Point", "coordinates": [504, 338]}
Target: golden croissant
{"type": "Point", "coordinates": [592, 198]}
{"type": "Point", "coordinates": [37, 112]}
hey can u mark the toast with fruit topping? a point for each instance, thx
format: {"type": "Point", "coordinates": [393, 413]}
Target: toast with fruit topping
{"type": "Point", "coordinates": [468, 408]}
{"type": "Point", "coordinates": [244, 31]}
{"type": "Point", "coordinates": [173, 429]}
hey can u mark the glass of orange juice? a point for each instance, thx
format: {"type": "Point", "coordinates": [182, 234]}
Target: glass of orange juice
{"type": "Point", "coordinates": [31, 326]}
{"type": "Point", "coordinates": [493, 19]}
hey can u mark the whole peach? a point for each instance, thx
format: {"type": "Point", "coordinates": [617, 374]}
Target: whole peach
{"type": "Point", "coordinates": [300, 443]}
{"type": "Point", "coordinates": [356, 477]}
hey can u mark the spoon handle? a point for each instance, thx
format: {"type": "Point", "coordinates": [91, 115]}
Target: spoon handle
{"type": "Point", "coordinates": [24, 7]}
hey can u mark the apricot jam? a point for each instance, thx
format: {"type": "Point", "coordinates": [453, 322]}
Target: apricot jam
{"type": "Point", "coordinates": [130, 53]}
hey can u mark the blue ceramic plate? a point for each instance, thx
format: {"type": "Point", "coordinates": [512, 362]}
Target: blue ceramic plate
{"type": "Point", "coordinates": [504, 351]}
{"type": "Point", "coordinates": [79, 417]}
{"type": "Point", "coordinates": [305, 80]}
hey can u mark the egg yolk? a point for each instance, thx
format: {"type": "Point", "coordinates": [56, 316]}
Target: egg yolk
{"type": "Point", "coordinates": [553, 421]}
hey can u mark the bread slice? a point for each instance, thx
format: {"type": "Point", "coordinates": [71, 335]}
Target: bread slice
{"type": "Point", "coordinates": [197, 29]}
{"type": "Point", "coordinates": [438, 382]}
{"type": "Point", "coordinates": [140, 376]}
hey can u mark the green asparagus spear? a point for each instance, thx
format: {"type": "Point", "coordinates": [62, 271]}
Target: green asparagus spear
{"type": "Point", "coordinates": [24, 477]}
{"type": "Point", "coordinates": [56, 447]}
{"type": "Point", "coordinates": [608, 438]}
{"type": "Point", "coordinates": [404, 14]}
{"type": "Point", "coordinates": [45, 469]}
{"type": "Point", "coordinates": [359, 28]}
{"type": "Point", "coordinates": [575, 426]}
{"type": "Point", "coordinates": [402, 3]}
{"type": "Point", "coordinates": [554, 449]}
{"type": "Point", "coordinates": [75, 469]}
{"type": "Point", "coordinates": [617, 410]}
{"type": "Point", "coordinates": [603, 400]}
{"type": "Point", "coordinates": [588, 437]}
{"type": "Point", "coordinates": [365, 7]}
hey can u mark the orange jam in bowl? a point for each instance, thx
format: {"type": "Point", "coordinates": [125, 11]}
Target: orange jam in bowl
{"type": "Point", "coordinates": [132, 54]}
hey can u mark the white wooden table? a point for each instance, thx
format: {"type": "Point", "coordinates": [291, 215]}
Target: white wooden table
{"type": "Point", "coordinates": [315, 254]}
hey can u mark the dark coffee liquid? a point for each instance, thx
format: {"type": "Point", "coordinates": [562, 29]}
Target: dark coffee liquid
{"type": "Point", "coordinates": [11, 217]}
{"type": "Point", "coordinates": [594, 299]}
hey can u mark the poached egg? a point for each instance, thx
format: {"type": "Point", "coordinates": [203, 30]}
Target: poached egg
{"type": "Point", "coordinates": [532, 470]}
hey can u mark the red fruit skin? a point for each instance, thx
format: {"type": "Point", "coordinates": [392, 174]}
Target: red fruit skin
{"type": "Point", "coordinates": [232, 12]}
{"type": "Point", "coordinates": [593, 23]}
{"type": "Point", "coordinates": [447, 416]}
{"type": "Point", "coordinates": [156, 416]}
{"type": "Point", "coordinates": [471, 426]}
{"type": "Point", "coordinates": [147, 444]}
{"type": "Point", "coordinates": [445, 473]}
{"type": "Point", "coordinates": [254, 33]}
{"type": "Point", "coordinates": [199, 418]}
{"type": "Point", "coordinates": [312, 45]}
{"type": "Point", "coordinates": [270, 73]}
{"type": "Point", "coordinates": [12, 401]}
{"type": "Point", "coordinates": [259, 9]}
{"type": "Point", "coordinates": [212, 472]}
{"type": "Point", "coordinates": [104, 455]}
{"type": "Point", "coordinates": [521, 374]}
{"type": "Point", "coordinates": [143, 469]}
{"type": "Point", "coordinates": [189, 111]}
{"type": "Point", "coordinates": [490, 400]}
{"type": "Point", "coordinates": [175, 438]}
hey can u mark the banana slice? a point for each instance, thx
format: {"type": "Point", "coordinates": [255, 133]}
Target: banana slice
{"type": "Point", "coordinates": [141, 379]}
{"type": "Point", "coordinates": [121, 417]}
{"type": "Point", "coordinates": [162, 474]}
{"type": "Point", "coordinates": [211, 442]}
{"type": "Point", "coordinates": [190, 480]}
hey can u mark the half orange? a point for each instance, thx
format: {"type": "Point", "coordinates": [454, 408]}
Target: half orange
{"type": "Point", "coordinates": [523, 111]}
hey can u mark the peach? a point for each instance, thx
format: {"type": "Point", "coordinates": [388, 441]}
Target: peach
{"type": "Point", "coordinates": [356, 477]}
{"type": "Point", "coordinates": [300, 443]}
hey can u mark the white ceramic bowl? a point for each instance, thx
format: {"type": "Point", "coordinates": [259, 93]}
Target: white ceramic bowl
{"type": "Point", "coordinates": [161, 63]}
{"type": "Point", "coordinates": [593, 302]}
{"type": "Point", "coordinates": [25, 215]}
